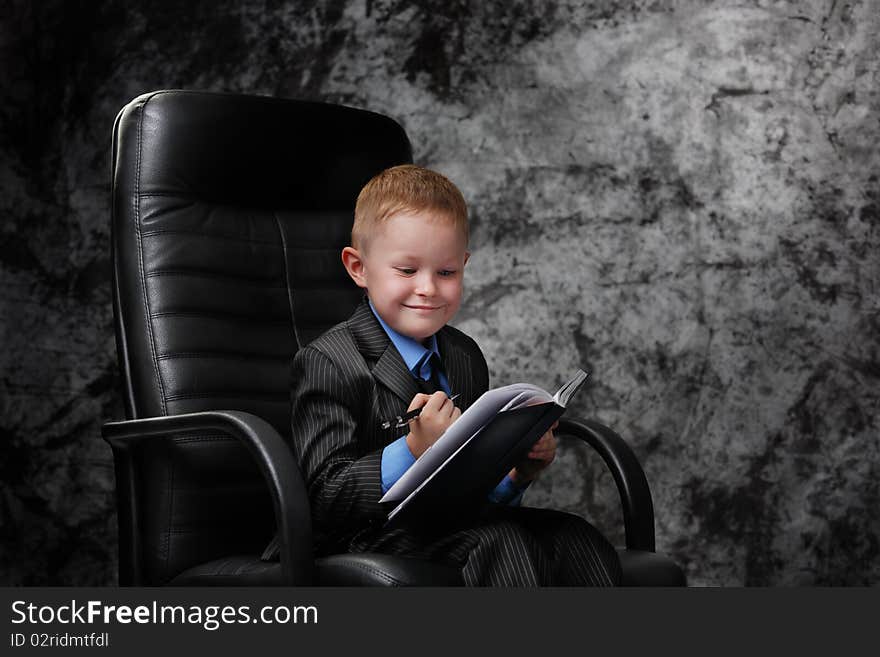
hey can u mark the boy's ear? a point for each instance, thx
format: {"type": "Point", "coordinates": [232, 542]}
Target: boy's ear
{"type": "Point", "coordinates": [354, 265]}
{"type": "Point", "coordinates": [467, 254]}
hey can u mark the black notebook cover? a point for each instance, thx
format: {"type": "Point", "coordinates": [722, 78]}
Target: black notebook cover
{"type": "Point", "coordinates": [465, 481]}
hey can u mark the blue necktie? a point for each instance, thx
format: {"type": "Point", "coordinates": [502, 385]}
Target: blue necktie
{"type": "Point", "coordinates": [432, 384]}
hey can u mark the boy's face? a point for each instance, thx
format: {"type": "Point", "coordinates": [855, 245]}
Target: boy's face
{"type": "Point", "coordinates": [412, 269]}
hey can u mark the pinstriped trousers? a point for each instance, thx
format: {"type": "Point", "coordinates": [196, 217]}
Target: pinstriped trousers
{"type": "Point", "coordinates": [509, 546]}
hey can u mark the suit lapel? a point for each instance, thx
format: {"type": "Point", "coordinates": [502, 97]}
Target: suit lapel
{"type": "Point", "coordinates": [387, 365]}
{"type": "Point", "coordinates": [385, 361]}
{"type": "Point", "coordinates": [391, 371]}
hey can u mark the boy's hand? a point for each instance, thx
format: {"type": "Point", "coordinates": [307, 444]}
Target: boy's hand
{"type": "Point", "coordinates": [539, 457]}
{"type": "Point", "coordinates": [438, 412]}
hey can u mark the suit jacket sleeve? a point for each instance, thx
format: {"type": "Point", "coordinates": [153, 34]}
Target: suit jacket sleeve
{"type": "Point", "coordinates": [328, 403]}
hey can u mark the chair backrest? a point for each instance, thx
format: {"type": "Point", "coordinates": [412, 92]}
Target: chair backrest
{"type": "Point", "coordinates": [228, 216]}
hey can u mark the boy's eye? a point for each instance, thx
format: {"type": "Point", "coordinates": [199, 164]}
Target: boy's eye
{"type": "Point", "coordinates": [409, 271]}
{"type": "Point", "coordinates": [447, 272]}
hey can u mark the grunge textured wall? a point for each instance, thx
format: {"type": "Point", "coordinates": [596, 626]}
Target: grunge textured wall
{"type": "Point", "coordinates": [681, 196]}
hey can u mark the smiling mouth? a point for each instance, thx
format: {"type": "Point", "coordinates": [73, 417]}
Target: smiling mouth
{"type": "Point", "coordinates": [422, 307]}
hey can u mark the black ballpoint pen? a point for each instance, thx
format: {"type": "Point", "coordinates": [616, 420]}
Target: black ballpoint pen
{"type": "Point", "coordinates": [401, 421]}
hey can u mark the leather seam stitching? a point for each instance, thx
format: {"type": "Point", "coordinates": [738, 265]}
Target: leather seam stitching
{"type": "Point", "coordinates": [215, 275]}
{"type": "Point", "coordinates": [218, 315]}
{"type": "Point", "coordinates": [228, 393]}
{"type": "Point", "coordinates": [375, 571]}
{"type": "Point", "coordinates": [143, 280]}
{"type": "Point", "coordinates": [200, 234]}
{"type": "Point", "coordinates": [214, 437]}
{"type": "Point", "coordinates": [235, 238]}
{"type": "Point", "coordinates": [288, 283]}
{"type": "Point", "coordinates": [222, 354]}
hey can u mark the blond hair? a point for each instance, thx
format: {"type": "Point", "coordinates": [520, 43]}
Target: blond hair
{"type": "Point", "coordinates": [406, 188]}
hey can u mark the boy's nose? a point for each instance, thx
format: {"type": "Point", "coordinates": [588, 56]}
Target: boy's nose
{"type": "Point", "coordinates": [425, 285]}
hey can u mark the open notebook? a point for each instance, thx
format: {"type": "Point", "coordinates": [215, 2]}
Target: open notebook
{"type": "Point", "coordinates": [479, 448]}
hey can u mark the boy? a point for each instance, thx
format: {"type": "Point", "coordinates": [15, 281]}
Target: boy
{"type": "Point", "coordinates": [397, 353]}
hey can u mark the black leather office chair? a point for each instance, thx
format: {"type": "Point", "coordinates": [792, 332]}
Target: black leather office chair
{"type": "Point", "coordinates": [228, 216]}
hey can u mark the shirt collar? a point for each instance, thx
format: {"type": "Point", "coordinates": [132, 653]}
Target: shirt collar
{"type": "Point", "coordinates": [412, 351]}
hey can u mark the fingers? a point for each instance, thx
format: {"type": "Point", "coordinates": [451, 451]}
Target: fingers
{"type": "Point", "coordinates": [545, 441]}
{"type": "Point", "coordinates": [545, 448]}
{"type": "Point", "coordinates": [437, 400]}
{"type": "Point", "coordinates": [542, 454]}
{"type": "Point", "coordinates": [434, 401]}
{"type": "Point", "coordinates": [440, 404]}
{"type": "Point", "coordinates": [437, 413]}
{"type": "Point", "coordinates": [418, 401]}
{"type": "Point", "coordinates": [435, 405]}
{"type": "Point", "coordinates": [544, 457]}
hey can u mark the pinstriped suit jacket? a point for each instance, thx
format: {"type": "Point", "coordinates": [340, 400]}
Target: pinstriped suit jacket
{"type": "Point", "coordinates": [345, 383]}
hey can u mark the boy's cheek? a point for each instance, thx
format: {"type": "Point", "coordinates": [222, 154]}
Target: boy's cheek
{"type": "Point", "coordinates": [453, 291]}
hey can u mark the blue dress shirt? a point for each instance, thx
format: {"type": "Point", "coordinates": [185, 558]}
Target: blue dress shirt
{"type": "Point", "coordinates": [396, 457]}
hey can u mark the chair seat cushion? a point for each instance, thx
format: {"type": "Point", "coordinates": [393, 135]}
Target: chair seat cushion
{"type": "Point", "coordinates": [366, 569]}
{"type": "Point", "coordinates": [371, 569]}
{"type": "Point", "coordinates": [642, 568]}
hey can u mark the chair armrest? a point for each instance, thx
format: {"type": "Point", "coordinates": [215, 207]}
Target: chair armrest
{"type": "Point", "coordinates": [273, 457]}
{"type": "Point", "coordinates": [632, 485]}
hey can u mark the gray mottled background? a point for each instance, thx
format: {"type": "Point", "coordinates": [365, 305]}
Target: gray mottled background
{"type": "Point", "coordinates": [681, 196]}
